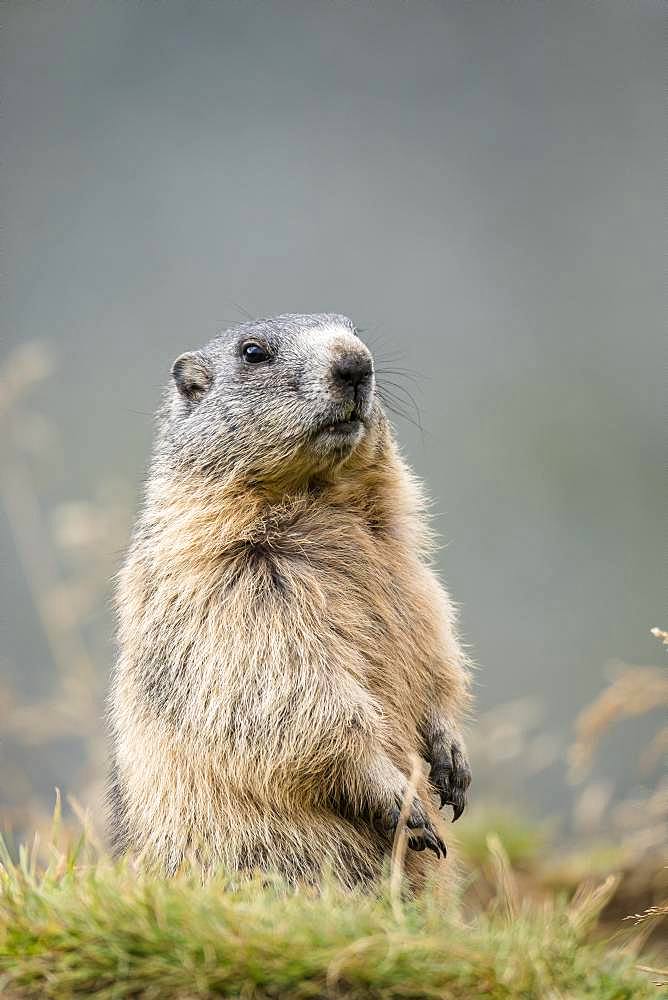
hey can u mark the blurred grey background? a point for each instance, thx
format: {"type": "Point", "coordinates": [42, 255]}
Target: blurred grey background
{"type": "Point", "coordinates": [477, 184]}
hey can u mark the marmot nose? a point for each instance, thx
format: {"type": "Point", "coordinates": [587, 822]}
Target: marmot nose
{"type": "Point", "coordinates": [351, 370]}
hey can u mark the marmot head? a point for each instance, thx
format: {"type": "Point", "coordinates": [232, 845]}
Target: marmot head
{"type": "Point", "coordinates": [273, 399]}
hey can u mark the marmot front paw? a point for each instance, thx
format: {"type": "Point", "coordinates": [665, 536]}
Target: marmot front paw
{"type": "Point", "coordinates": [421, 832]}
{"type": "Point", "coordinates": [450, 775]}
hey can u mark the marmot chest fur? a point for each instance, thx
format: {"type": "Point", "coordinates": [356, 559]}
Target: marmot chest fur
{"type": "Point", "coordinates": [286, 654]}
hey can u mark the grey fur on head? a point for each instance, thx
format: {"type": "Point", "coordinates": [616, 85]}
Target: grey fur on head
{"type": "Point", "coordinates": [226, 415]}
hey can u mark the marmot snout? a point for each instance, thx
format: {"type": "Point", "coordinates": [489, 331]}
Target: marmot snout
{"type": "Point", "coordinates": [286, 652]}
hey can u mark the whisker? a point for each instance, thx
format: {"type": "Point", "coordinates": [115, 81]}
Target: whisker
{"type": "Point", "coordinates": [370, 337]}
{"type": "Point", "coordinates": [394, 396]}
{"type": "Point", "coordinates": [395, 359]}
{"type": "Point", "coordinates": [245, 311]}
{"type": "Point", "coordinates": [396, 405]}
{"type": "Point", "coordinates": [397, 390]}
{"type": "Point", "coordinates": [414, 377]}
{"type": "Point", "coordinates": [397, 412]}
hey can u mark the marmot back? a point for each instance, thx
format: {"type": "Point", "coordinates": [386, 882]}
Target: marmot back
{"type": "Point", "coordinates": [286, 652]}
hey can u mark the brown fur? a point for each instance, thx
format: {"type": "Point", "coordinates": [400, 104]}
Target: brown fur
{"type": "Point", "coordinates": [285, 653]}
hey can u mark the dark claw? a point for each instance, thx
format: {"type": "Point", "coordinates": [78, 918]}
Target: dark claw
{"type": "Point", "coordinates": [451, 776]}
{"type": "Point", "coordinates": [458, 806]}
{"type": "Point", "coordinates": [441, 779]}
{"type": "Point", "coordinates": [435, 844]}
{"type": "Point", "coordinates": [416, 818]}
{"type": "Point", "coordinates": [416, 843]}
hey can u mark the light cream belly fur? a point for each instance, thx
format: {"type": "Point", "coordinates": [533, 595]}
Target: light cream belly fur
{"type": "Point", "coordinates": [246, 688]}
{"type": "Point", "coordinates": [242, 779]}
{"type": "Point", "coordinates": [181, 810]}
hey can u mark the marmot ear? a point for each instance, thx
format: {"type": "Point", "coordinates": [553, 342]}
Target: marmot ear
{"type": "Point", "coordinates": [192, 374]}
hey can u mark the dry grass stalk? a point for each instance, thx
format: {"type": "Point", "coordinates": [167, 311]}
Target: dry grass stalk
{"type": "Point", "coordinates": [589, 901]}
{"type": "Point", "coordinates": [507, 892]}
{"type": "Point", "coordinates": [635, 691]}
{"type": "Point", "coordinates": [400, 843]}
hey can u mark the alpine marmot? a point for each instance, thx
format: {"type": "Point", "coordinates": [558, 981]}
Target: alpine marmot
{"type": "Point", "coordinates": [285, 650]}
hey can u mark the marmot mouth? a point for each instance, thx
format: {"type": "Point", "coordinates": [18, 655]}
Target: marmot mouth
{"type": "Point", "coordinates": [344, 427]}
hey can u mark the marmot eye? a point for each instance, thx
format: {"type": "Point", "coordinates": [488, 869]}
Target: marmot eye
{"type": "Point", "coordinates": [254, 354]}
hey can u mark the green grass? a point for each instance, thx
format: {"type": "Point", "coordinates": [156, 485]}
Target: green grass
{"type": "Point", "coordinates": [83, 928]}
